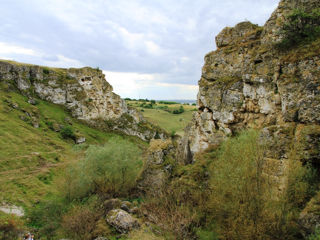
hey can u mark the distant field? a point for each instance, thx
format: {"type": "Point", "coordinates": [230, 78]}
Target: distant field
{"type": "Point", "coordinates": [161, 114]}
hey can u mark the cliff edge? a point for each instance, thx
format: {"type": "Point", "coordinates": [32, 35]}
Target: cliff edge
{"type": "Point", "coordinates": [84, 92]}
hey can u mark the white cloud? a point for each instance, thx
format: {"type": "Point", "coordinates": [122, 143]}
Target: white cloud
{"type": "Point", "coordinates": [63, 62]}
{"type": "Point", "coordinates": [153, 48]}
{"type": "Point", "coordinates": [7, 49]}
{"type": "Point", "coordinates": [136, 85]}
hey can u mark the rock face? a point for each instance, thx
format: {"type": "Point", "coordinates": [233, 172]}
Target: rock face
{"type": "Point", "coordinates": [157, 167]}
{"type": "Point", "coordinates": [84, 92]}
{"type": "Point", "coordinates": [246, 82]}
{"type": "Point", "coordinates": [249, 83]}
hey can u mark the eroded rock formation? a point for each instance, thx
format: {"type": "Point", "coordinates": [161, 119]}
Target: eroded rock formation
{"type": "Point", "coordinates": [249, 83]}
{"type": "Point", "coordinates": [246, 82]}
{"type": "Point", "coordinates": [84, 92]}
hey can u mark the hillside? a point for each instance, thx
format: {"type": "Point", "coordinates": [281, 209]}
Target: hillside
{"type": "Point", "coordinates": [33, 150]}
{"type": "Point", "coordinates": [161, 114]}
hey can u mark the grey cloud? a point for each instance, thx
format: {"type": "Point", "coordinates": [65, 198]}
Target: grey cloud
{"type": "Point", "coordinates": [113, 34]}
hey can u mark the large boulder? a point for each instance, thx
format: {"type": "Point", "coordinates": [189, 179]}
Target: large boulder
{"type": "Point", "coordinates": [122, 221]}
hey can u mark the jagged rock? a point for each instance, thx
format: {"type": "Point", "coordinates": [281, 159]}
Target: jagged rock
{"type": "Point", "coordinates": [122, 221]}
{"type": "Point", "coordinates": [154, 176]}
{"type": "Point", "coordinates": [247, 83]}
{"type": "Point", "coordinates": [84, 92]}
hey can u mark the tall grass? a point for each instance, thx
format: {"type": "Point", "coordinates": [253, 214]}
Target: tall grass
{"type": "Point", "coordinates": [245, 202]}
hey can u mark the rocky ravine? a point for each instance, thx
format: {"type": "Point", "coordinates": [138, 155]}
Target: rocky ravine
{"type": "Point", "coordinates": [248, 83]}
{"type": "Point", "coordinates": [84, 91]}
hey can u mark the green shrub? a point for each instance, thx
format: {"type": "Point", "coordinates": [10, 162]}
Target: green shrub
{"type": "Point", "coordinates": [300, 26]}
{"type": "Point", "coordinates": [111, 169]}
{"type": "Point", "coordinates": [46, 216]}
{"type": "Point", "coordinates": [80, 222]}
{"type": "Point", "coordinates": [315, 236]}
{"type": "Point", "coordinates": [67, 132]}
{"type": "Point", "coordinates": [10, 226]}
{"type": "Point", "coordinates": [46, 70]}
{"type": "Point", "coordinates": [178, 111]}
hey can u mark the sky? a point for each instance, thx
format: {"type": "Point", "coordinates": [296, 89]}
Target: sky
{"type": "Point", "coordinates": [147, 48]}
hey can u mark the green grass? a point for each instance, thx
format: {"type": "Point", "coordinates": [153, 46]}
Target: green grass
{"type": "Point", "coordinates": [31, 157]}
{"type": "Point", "coordinates": [168, 121]}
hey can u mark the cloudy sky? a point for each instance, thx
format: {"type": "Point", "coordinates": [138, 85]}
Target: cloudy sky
{"type": "Point", "coordinates": [147, 48]}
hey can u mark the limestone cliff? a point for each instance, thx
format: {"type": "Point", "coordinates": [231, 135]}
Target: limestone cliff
{"type": "Point", "coordinates": [249, 83]}
{"type": "Point", "coordinates": [246, 82]}
{"type": "Point", "coordinates": [84, 92]}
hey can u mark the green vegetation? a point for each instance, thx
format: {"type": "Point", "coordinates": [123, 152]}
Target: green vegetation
{"type": "Point", "coordinates": [171, 116]}
{"type": "Point", "coordinates": [109, 170]}
{"type": "Point", "coordinates": [300, 27]}
{"type": "Point", "coordinates": [74, 209]}
{"type": "Point", "coordinates": [315, 236]}
{"type": "Point", "coordinates": [226, 194]}
{"type": "Point", "coordinates": [67, 132]}
{"type": "Point", "coordinates": [10, 226]}
{"type": "Point", "coordinates": [32, 157]}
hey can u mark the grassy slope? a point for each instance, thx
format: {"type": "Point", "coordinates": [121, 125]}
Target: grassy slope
{"type": "Point", "coordinates": [168, 121]}
{"type": "Point", "coordinates": [31, 157]}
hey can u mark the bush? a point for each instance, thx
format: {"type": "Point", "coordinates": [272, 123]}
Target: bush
{"type": "Point", "coordinates": [67, 132]}
{"type": "Point", "coordinates": [10, 226]}
{"type": "Point", "coordinates": [80, 222]}
{"type": "Point", "coordinates": [178, 111]}
{"type": "Point", "coordinates": [46, 215]}
{"type": "Point", "coordinates": [111, 169]}
{"type": "Point", "coordinates": [46, 70]}
{"type": "Point", "coordinates": [300, 26]}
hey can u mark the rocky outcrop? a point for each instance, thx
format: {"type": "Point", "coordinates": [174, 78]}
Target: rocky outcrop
{"type": "Point", "coordinates": [122, 221]}
{"type": "Point", "coordinates": [84, 92]}
{"type": "Point", "coordinates": [158, 166]}
{"type": "Point", "coordinates": [248, 83]}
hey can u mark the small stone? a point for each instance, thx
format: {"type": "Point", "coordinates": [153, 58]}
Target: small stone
{"type": "Point", "coordinates": [80, 140]}
{"type": "Point", "coordinates": [14, 105]}
{"type": "Point", "coordinates": [32, 101]}
{"type": "Point", "coordinates": [122, 221]}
